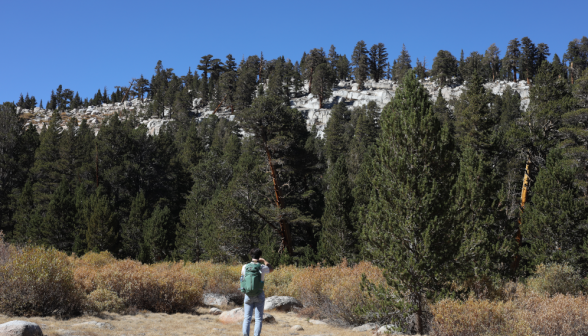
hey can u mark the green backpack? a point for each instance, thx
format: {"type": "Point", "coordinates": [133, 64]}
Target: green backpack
{"type": "Point", "coordinates": [251, 283]}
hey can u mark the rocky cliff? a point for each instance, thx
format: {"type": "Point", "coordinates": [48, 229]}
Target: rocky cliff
{"type": "Point", "coordinates": [381, 93]}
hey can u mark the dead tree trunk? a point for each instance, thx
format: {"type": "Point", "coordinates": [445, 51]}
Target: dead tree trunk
{"type": "Point", "coordinates": [220, 104]}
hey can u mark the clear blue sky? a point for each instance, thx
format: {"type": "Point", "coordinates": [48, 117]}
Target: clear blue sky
{"type": "Point", "coordinates": [87, 45]}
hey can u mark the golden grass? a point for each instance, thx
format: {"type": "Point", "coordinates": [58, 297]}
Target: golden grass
{"type": "Point", "coordinates": [199, 324]}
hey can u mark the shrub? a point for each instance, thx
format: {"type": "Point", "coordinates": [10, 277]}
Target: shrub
{"type": "Point", "coordinates": [563, 315]}
{"type": "Point", "coordinates": [334, 292]}
{"type": "Point", "coordinates": [103, 299]}
{"type": "Point", "coordinates": [38, 281]}
{"type": "Point", "coordinates": [279, 281]}
{"type": "Point", "coordinates": [4, 249]}
{"type": "Point", "coordinates": [164, 287]}
{"type": "Point", "coordinates": [554, 279]}
{"type": "Point", "coordinates": [218, 278]}
{"type": "Point", "coordinates": [476, 317]}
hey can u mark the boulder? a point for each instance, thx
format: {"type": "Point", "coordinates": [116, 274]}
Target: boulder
{"type": "Point", "coordinates": [365, 327]}
{"type": "Point", "coordinates": [316, 322]}
{"type": "Point", "coordinates": [20, 328]}
{"type": "Point", "coordinates": [388, 330]}
{"type": "Point", "coordinates": [282, 303]}
{"type": "Point", "coordinates": [219, 300]}
{"type": "Point", "coordinates": [297, 328]}
{"type": "Point", "coordinates": [215, 311]}
{"type": "Point", "coordinates": [101, 325]}
{"type": "Point", "coordinates": [238, 314]}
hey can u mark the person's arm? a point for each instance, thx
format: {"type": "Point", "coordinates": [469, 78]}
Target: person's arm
{"type": "Point", "coordinates": [271, 269]}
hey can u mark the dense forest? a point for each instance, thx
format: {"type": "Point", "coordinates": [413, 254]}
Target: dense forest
{"type": "Point", "coordinates": [471, 188]}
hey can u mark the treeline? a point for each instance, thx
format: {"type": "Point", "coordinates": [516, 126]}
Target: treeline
{"type": "Point", "coordinates": [225, 83]}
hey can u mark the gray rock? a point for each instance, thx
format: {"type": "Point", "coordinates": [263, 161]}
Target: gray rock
{"type": "Point", "coordinates": [237, 315]}
{"type": "Point", "coordinates": [316, 322]}
{"type": "Point", "coordinates": [297, 328]}
{"type": "Point", "coordinates": [365, 327]}
{"type": "Point", "coordinates": [215, 311]}
{"type": "Point", "coordinates": [101, 325]}
{"type": "Point", "coordinates": [20, 328]}
{"type": "Point", "coordinates": [211, 299]}
{"type": "Point", "coordinates": [388, 330]}
{"type": "Point", "coordinates": [282, 303]}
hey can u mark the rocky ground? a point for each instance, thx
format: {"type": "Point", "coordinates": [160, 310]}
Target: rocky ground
{"type": "Point", "coordinates": [202, 322]}
{"type": "Point", "coordinates": [346, 91]}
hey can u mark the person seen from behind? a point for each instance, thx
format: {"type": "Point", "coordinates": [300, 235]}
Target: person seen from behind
{"type": "Point", "coordinates": [252, 280]}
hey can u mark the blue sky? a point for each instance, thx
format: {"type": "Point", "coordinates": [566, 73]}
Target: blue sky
{"type": "Point", "coordinates": [87, 45]}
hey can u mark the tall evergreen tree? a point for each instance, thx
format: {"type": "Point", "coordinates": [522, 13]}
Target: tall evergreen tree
{"type": "Point", "coordinates": [378, 59]}
{"type": "Point", "coordinates": [59, 222]}
{"type": "Point", "coordinates": [101, 232]}
{"type": "Point", "coordinates": [407, 231]}
{"type": "Point", "coordinates": [401, 65]}
{"type": "Point", "coordinates": [511, 58]}
{"type": "Point", "coordinates": [132, 229]}
{"type": "Point", "coordinates": [338, 240]}
{"type": "Point", "coordinates": [359, 60]}
{"type": "Point", "coordinates": [323, 79]}
{"type": "Point", "coordinates": [529, 59]}
{"type": "Point", "coordinates": [444, 67]}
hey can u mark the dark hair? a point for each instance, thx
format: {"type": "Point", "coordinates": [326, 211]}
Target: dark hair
{"type": "Point", "coordinates": [255, 253]}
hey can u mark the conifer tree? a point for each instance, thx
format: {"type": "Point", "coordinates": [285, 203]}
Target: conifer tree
{"type": "Point", "coordinates": [323, 79]}
{"type": "Point", "coordinates": [336, 133]}
{"type": "Point", "coordinates": [155, 244]}
{"type": "Point", "coordinates": [553, 224]}
{"type": "Point", "coordinates": [132, 229]}
{"type": "Point", "coordinates": [101, 219]}
{"type": "Point", "coordinates": [59, 222]}
{"type": "Point", "coordinates": [444, 67]}
{"type": "Point", "coordinates": [378, 60]}
{"type": "Point", "coordinates": [406, 230]}
{"type": "Point", "coordinates": [315, 58]}
{"type": "Point", "coordinates": [337, 241]}
{"type": "Point", "coordinates": [27, 220]}
{"type": "Point", "coordinates": [401, 65]}
{"type": "Point", "coordinates": [511, 58]}
{"type": "Point", "coordinates": [343, 68]}
{"type": "Point", "coordinates": [359, 60]}
{"type": "Point", "coordinates": [492, 60]}
{"type": "Point", "coordinates": [529, 59]}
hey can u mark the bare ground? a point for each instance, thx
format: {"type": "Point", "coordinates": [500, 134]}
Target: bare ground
{"type": "Point", "coordinates": [157, 324]}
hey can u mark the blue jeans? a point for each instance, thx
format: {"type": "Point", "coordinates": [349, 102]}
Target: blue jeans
{"type": "Point", "coordinates": [251, 304]}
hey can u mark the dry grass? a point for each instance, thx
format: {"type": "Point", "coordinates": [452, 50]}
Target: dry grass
{"type": "Point", "coordinates": [157, 324]}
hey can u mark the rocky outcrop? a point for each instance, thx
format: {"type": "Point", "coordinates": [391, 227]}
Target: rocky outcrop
{"type": "Point", "coordinates": [282, 303]}
{"type": "Point", "coordinates": [20, 328]}
{"type": "Point", "coordinates": [344, 92]}
{"type": "Point", "coordinates": [220, 300]}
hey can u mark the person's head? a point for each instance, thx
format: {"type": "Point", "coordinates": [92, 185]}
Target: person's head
{"type": "Point", "coordinates": [255, 253]}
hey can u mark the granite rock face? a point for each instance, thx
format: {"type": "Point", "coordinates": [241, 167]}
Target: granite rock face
{"type": "Point", "coordinates": [344, 92]}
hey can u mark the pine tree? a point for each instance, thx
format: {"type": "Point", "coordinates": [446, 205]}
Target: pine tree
{"type": "Point", "coordinates": [59, 222]}
{"type": "Point", "coordinates": [155, 245]}
{"type": "Point", "coordinates": [101, 233]}
{"type": "Point", "coordinates": [558, 67]}
{"type": "Point", "coordinates": [336, 133]}
{"type": "Point", "coordinates": [378, 59]}
{"type": "Point", "coordinates": [359, 60]}
{"type": "Point", "coordinates": [132, 229]}
{"type": "Point", "coordinates": [407, 231]}
{"type": "Point", "coordinates": [323, 79]}
{"type": "Point", "coordinates": [444, 67]}
{"type": "Point", "coordinates": [27, 220]}
{"type": "Point", "coordinates": [337, 241]}
{"type": "Point", "coordinates": [315, 58]}
{"type": "Point", "coordinates": [343, 66]}
{"type": "Point", "coordinates": [553, 224]}
{"type": "Point", "coordinates": [511, 58]}
{"type": "Point", "coordinates": [529, 61]}
{"type": "Point", "coordinates": [401, 65]}
{"type": "Point", "coordinates": [492, 60]}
